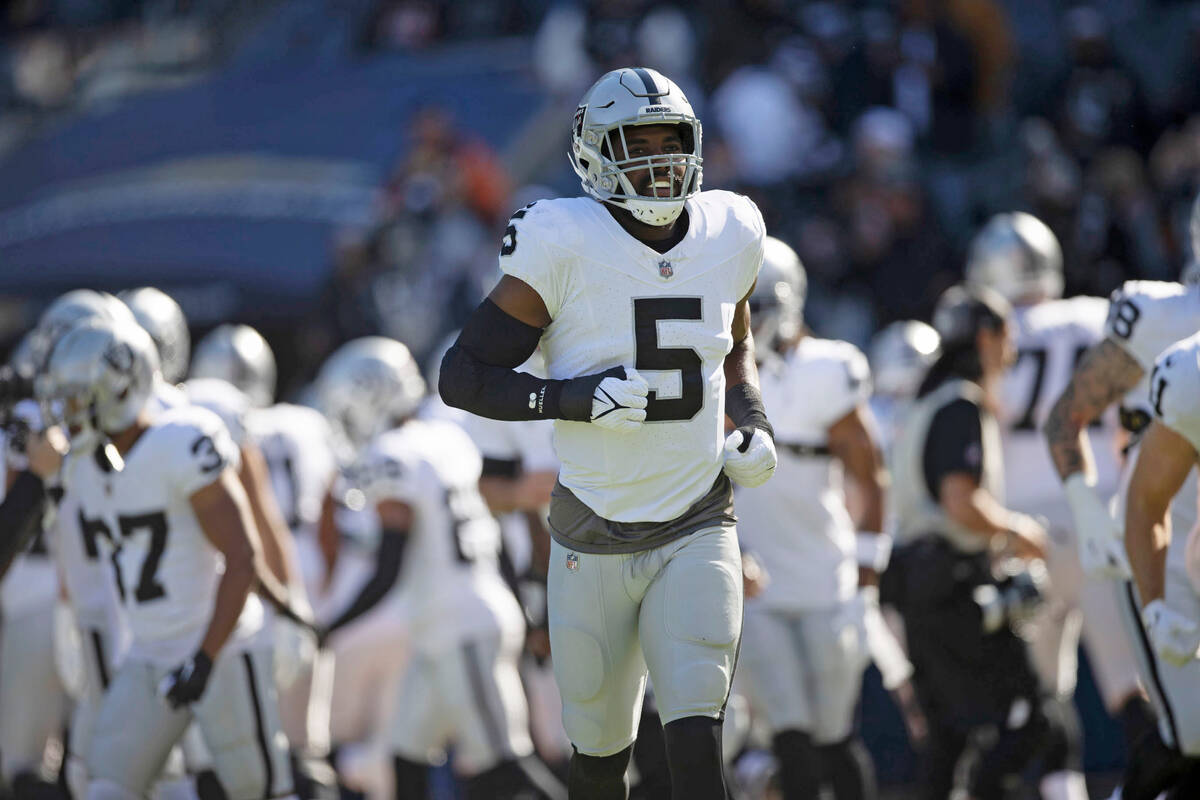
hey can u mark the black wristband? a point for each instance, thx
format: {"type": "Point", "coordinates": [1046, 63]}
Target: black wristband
{"type": "Point", "coordinates": [744, 405]}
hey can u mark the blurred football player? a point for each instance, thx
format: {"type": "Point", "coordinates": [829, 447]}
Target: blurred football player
{"type": "Point", "coordinates": [972, 670]}
{"type": "Point", "coordinates": [461, 686]}
{"type": "Point", "coordinates": [1157, 554]}
{"type": "Point", "coordinates": [645, 274]}
{"type": "Point", "coordinates": [898, 356]}
{"type": "Point", "coordinates": [1018, 256]}
{"type": "Point", "coordinates": [162, 496]}
{"type": "Point", "coordinates": [1144, 318]}
{"type": "Point", "coordinates": [804, 648]}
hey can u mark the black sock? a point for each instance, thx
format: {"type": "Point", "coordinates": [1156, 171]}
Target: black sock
{"type": "Point", "coordinates": [799, 777]}
{"type": "Point", "coordinates": [599, 777]}
{"type": "Point", "coordinates": [694, 754]}
{"type": "Point", "coordinates": [412, 779]}
{"type": "Point", "coordinates": [847, 767]}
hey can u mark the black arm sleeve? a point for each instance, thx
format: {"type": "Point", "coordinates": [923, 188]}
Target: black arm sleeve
{"type": "Point", "coordinates": [477, 373]}
{"type": "Point", "coordinates": [953, 444]}
{"type": "Point", "coordinates": [20, 516]}
{"type": "Point", "coordinates": [387, 570]}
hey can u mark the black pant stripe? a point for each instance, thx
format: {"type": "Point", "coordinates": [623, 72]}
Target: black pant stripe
{"type": "Point", "coordinates": [1143, 642]}
{"type": "Point", "coordinates": [483, 700]}
{"type": "Point", "coordinates": [260, 729]}
{"type": "Point", "coordinates": [101, 662]}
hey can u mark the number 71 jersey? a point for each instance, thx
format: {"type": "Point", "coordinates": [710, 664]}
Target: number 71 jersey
{"type": "Point", "coordinates": [166, 569]}
{"type": "Point", "coordinates": [613, 302]}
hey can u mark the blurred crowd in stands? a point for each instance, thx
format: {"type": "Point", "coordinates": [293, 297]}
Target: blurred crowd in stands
{"type": "Point", "coordinates": [875, 136]}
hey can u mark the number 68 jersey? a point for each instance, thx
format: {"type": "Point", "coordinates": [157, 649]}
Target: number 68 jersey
{"type": "Point", "coordinates": [613, 302]}
{"type": "Point", "coordinates": [166, 569]}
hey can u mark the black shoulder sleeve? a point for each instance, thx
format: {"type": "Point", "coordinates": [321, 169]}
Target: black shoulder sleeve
{"type": "Point", "coordinates": [477, 373]}
{"type": "Point", "coordinates": [954, 443]}
{"type": "Point", "coordinates": [20, 516]}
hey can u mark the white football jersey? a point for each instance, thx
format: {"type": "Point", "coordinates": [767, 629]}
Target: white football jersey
{"type": "Point", "coordinates": [1051, 337]}
{"type": "Point", "coordinates": [297, 444]}
{"type": "Point", "coordinates": [450, 579]}
{"type": "Point", "coordinates": [1147, 317]}
{"type": "Point", "coordinates": [223, 399]}
{"type": "Point", "coordinates": [1175, 401]}
{"type": "Point", "coordinates": [615, 302]}
{"type": "Point", "coordinates": [797, 523]}
{"type": "Point", "coordinates": [141, 518]}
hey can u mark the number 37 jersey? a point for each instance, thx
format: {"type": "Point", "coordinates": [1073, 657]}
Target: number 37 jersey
{"type": "Point", "coordinates": [613, 301]}
{"type": "Point", "coordinates": [166, 569]}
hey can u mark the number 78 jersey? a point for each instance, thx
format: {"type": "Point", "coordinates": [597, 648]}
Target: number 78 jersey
{"type": "Point", "coordinates": [141, 516]}
{"type": "Point", "coordinates": [613, 302]}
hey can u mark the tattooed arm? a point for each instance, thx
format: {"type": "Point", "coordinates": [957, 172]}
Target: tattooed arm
{"type": "Point", "coordinates": [1106, 372]}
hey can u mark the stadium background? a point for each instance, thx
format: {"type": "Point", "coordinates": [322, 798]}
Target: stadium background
{"type": "Point", "coordinates": [324, 169]}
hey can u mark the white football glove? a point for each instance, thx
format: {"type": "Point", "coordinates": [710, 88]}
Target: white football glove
{"type": "Point", "coordinates": [750, 463]}
{"type": "Point", "coordinates": [619, 404]}
{"type": "Point", "coordinates": [1176, 638]}
{"type": "Point", "coordinates": [1101, 548]}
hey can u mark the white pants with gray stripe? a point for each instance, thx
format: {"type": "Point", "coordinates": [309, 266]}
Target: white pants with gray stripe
{"type": "Point", "coordinates": [470, 697]}
{"type": "Point", "coordinates": [238, 716]}
{"type": "Point", "coordinates": [1175, 691]}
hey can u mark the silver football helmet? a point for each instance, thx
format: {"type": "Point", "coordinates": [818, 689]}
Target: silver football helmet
{"type": "Point", "coordinates": [620, 100]}
{"type": "Point", "coordinates": [777, 302]}
{"type": "Point", "coordinates": [366, 386]}
{"type": "Point", "coordinates": [98, 378]}
{"type": "Point", "coordinates": [1017, 255]}
{"type": "Point", "coordinates": [239, 355]}
{"type": "Point", "coordinates": [163, 319]}
{"type": "Point", "coordinates": [900, 354]}
{"type": "Point", "coordinates": [67, 311]}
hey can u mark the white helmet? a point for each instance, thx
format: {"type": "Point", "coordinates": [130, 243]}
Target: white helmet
{"type": "Point", "coordinates": [777, 302]}
{"type": "Point", "coordinates": [99, 376]}
{"type": "Point", "coordinates": [366, 386]}
{"type": "Point", "coordinates": [66, 312]}
{"type": "Point", "coordinates": [239, 355]}
{"type": "Point", "coordinates": [622, 99]}
{"type": "Point", "coordinates": [163, 319]}
{"type": "Point", "coordinates": [900, 355]}
{"type": "Point", "coordinates": [1017, 255]}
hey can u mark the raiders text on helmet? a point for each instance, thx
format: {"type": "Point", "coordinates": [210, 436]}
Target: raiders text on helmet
{"type": "Point", "coordinates": [620, 100]}
{"type": "Point", "coordinates": [777, 303]}
{"type": "Point", "coordinates": [1017, 255]}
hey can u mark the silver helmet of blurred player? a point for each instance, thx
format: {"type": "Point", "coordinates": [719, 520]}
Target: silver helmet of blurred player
{"type": "Point", "coordinates": [367, 386]}
{"type": "Point", "coordinates": [67, 311]}
{"type": "Point", "coordinates": [99, 376]}
{"type": "Point", "coordinates": [899, 356]}
{"type": "Point", "coordinates": [239, 355]}
{"type": "Point", "coordinates": [163, 319]}
{"type": "Point", "coordinates": [1017, 255]}
{"type": "Point", "coordinates": [777, 302]}
{"type": "Point", "coordinates": [604, 122]}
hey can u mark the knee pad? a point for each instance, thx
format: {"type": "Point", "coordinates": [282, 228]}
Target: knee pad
{"type": "Point", "coordinates": [579, 667]}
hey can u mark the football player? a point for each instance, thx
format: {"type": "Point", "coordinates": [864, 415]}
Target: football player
{"type": "Point", "coordinates": [162, 497]}
{"type": "Point", "coordinates": [805, 649]}
{"type": "Point", "coordinates": [1158, 559]}
{"type": "Point", "coordinates": [645, 274]}
{"type": "Point", "coordinates": [898, 356]}
{"type": "Point", "coordinates": [1144, 318]}
{"type": "Point", "coordinates": [1019, 257]}
{"type": "Point", "coordinates": [461, 685]}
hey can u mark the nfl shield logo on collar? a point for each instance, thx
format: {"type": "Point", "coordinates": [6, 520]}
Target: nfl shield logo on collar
{"type": "Point", "coordinates": [665, 270]}
{"type": "Point", "coordinates": [572, 562]}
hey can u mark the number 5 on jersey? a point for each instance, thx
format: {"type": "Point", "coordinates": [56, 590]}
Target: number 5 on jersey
{"type": "Point", "coordinates": [651, 357]}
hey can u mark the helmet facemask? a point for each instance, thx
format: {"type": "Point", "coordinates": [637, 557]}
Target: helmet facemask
{"type": "Point", "coordinates": [611, 111]}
